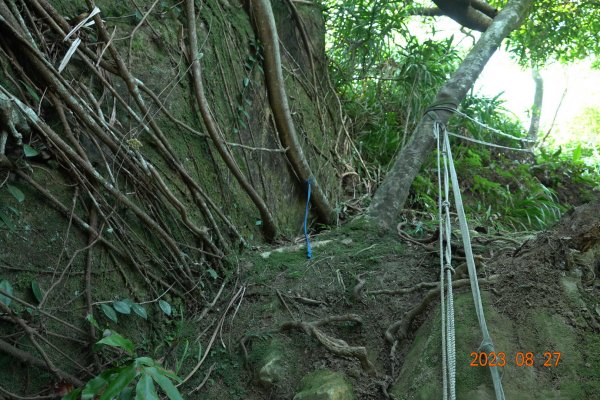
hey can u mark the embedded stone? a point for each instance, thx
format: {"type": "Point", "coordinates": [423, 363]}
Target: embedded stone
{"type": "Point", "coordinates": [325, 385]}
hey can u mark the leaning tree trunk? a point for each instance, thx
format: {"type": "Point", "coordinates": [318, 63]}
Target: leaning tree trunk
{"type": "Point", "coordinates": [391, 196]}
{"type": "Point", "coordinates": [536, 109]}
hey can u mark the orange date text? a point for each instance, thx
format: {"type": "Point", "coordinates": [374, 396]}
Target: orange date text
{"type": "Point", "coordinates": [520, 359]}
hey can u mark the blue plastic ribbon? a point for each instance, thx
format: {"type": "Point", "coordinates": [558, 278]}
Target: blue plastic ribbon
{"type": "Point", "coordinates": [308, 248]}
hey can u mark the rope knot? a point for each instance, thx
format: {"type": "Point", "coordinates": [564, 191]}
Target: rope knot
{"type": "Point", "coordinates": [486, 346]}
{"type": "Point", "coordinates": [448, 267]}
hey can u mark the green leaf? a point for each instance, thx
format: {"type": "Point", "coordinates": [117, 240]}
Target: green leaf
{"type": "Point", "coordinates": [109, 312]}
{"type": "Point", "coordinates": [139, 310]}
{"type": "Point", "coordinates": [73, 395]}
{"type": "Point", "coordinates": [16, 192]}
{"type": "Point", "coordinates": [168, 374]}
{"type": "Point", "coordinates": [30, 151]}
{"type": "Point", "coordinates": [93, 388]}
{"type": "Point", "coordinates": [90, 318]}
{"type": "Point", "coordinates": [7, 288]}
{"type": "Point", "coordinates": [213, 274]}
{"type": "Point", "coordinates": [246, 81]}
{"type": "Point", "coordinates": [144, 361]}
{"type": "Point", "coordinates": [126, 394]}
{"type": "Point", "coordinates": [145, 389]}
{"type": "Point", "coordinates": [120, 382]}
{"type": "Point", "coordinates": [164, 382]}
{"type": "Point", "coordinates": [122, 307]}
{"type": "Point", "coordinates": [116, 340]}
{"type": "Point", "coordinates": [166, 307]}
{"type": "Point", "coordinates": [7, 221]}
{"type": "Point", "coordinates": [37, 291]}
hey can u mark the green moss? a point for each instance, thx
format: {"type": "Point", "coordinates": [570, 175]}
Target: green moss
{"type": "Point", "coordinates": [543, 332]}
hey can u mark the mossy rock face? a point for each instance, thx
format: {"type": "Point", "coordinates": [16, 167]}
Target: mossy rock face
{"type": "Point", "coordinates": [544, 332]}
{"type": "Point", "coordinates": [325, 385]}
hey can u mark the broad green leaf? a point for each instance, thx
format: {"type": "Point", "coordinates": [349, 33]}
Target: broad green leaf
{"type": "Point", "coordinates": [109, 312]}
{"type": "Point", "coordinates": [16, 193]}
{"type": "Point", "coordinates": [30, 151]}
{"type": "Point", "coordinates": [93, 388]}
{"type": "Point", "coordinates": [119, 382]}
{"type": "Point", "coordinates": [166, 307]}
{"type": "Point", "coordinates": [7, 221]}
{"type": "Point", "coordinates": [246, 81]}
{"type": "Point", "coordinates": [127, 394]}
{"type": "Point", "coordinates": [139, 310]}
{"type": "Point", "coordinates": [37, 291]}
{"type": "Point", "coordinates": [145, 389]}
{"type": "Point", "coordinates": [90, 318]}
{"type": "Point", "coordinates": [164, 382]}
{"type": "Point", "coordinates": [122, 307]}
{"type": "Point", "coordinates": [72, 395]}
{"type": "Point", "coordinates": [144, 361]}
{"type": "Point", "coordinates": [7, 288]}
{"type": "Point", "coordinates": [116, 340]}
{"type": "Point", "coordinates": [213, 274]}
{"type": "Point", "coordinates": [168, 374]}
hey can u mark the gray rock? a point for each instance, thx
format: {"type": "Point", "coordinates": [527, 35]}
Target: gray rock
{"type": "Point", "coordinates": [325, 385]}
{"type": "Point", "coordinates": [270, 368]}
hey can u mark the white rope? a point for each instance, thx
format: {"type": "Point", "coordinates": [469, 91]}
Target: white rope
{"type": "Point", "coordinates": [487, 143]}
{"type": "Point", "coordinates": [486, 345]}
{"type": "Point", "coordinates": [451, 345]}
{"type": "Point", "coordinates": [491, 129]}
{"type": "Point", "coordinates": [447, 308]}
{"type": "Point", "coordinates": [441, 242]}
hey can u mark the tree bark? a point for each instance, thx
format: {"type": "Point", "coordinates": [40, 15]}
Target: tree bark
{"type": "Point", "coordinates": [473, 14]}
{"type": "Point", "coordinates": [536, 109]}
{"type": "Point", "coordinates": [391, 195]}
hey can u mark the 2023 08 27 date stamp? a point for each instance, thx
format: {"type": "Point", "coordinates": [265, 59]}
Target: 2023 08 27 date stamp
{"type": "Point", "coordinates": [519, 359]}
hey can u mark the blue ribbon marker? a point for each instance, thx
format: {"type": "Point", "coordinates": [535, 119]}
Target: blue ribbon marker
{"type": "Point", "coordinates": [308, 248]}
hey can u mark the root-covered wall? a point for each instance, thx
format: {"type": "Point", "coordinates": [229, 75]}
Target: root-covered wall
{"type": "Point", "coordinates": [118, 183]}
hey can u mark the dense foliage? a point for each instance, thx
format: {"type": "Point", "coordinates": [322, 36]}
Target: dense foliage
{"type": "Point", "coordinates": [388, 69]}
{"type": "Point", "coordinates": [558, 31]}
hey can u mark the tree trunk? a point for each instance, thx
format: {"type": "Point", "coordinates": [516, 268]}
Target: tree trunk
{"type": "Point", "coordinates": [391, 195]}
{"type": "Point", "coordinates": [536, 109]}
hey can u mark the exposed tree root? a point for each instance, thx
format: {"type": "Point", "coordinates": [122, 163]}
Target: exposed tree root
{"type": "Point", "coordinates": [336, 346]}
{"type": "Point", "coordinates": [400, 329]}
{"type": "Point", "coordinates": [267, 32]}
{"type": "Point", "coordinates": [357, 292]}
{"type": "Point", "coordinates": [268, 222]}
{"type": "Point", "coordinates": [27, 358]}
